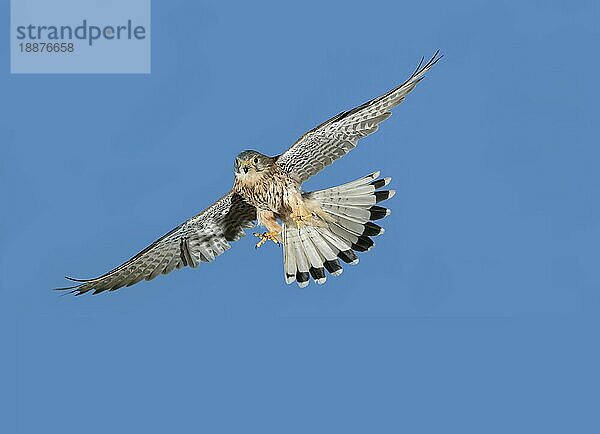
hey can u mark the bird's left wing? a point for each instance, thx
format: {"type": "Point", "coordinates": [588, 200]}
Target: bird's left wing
{"type": "Point", "coordinates": [200, 239]}
{"type": "Point", "coordinates": [336, 137]}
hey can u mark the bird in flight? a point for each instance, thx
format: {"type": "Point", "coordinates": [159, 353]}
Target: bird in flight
{"type": "Point", "coordinates": [316, 228]}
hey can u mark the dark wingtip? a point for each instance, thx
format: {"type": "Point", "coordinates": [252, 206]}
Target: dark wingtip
{"type": "Point", "coordinates": [72, 279]}
{"type": "Point", "coordinates": [434, 59]}
{"type": "Point", "coordinates": [74, 289]}
{"type": "Point", "coordinates": [418, 68]}
{"type": "Point", "coordinates": [69, 290]}
{"type": "Point", "coordinates": [65, 288]}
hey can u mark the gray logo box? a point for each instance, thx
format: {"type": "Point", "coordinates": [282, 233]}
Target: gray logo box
{"type": "Point", "coordinates": [80, 36]}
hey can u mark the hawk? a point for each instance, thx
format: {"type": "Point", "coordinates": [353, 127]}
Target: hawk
{"type": "Point", "coordinates": [316, 228]}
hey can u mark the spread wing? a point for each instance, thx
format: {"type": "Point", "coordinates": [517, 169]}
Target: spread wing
{"type": "Point", "coordinates": [336, 137]}
{"type": "Point", "coordinates": [200, 239]}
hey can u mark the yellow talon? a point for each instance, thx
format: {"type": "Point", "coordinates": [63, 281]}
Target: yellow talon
{"type": "Point", "coordinates": [266, 236]}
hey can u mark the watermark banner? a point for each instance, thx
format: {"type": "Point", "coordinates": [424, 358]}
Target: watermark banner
{"type": "Point", "coordinates": [80, 36]}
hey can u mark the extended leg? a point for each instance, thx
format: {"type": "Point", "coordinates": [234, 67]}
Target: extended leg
{"type": "Point", "coordinates": [300, 212]}
{"type": "Point", "coordinates": [269, 221]}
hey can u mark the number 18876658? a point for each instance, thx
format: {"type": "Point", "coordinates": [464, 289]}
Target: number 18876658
{"type": "Point", "coordinates": [47, 47]}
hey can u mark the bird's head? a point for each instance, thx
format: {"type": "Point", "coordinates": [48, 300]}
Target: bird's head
{"type": "Point", "coordinates": [249, 163]}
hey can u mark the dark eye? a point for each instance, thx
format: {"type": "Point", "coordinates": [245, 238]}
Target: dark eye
{"type": "Point", "coordinates": [255, 160]}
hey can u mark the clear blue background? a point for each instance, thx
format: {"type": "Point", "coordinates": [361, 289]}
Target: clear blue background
{"type": "Point", "coordinates": [477, 312]}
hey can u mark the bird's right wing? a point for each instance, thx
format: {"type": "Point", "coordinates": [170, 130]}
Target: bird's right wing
{"type": "Point", "coordinates": [200, 239]}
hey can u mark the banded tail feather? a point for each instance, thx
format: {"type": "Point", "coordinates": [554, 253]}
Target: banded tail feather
{"type": "Point", "coordinates": [310, 251]}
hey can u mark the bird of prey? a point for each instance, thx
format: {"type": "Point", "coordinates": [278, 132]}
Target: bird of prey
{"type": "Point", "coordinates": [316, 228]}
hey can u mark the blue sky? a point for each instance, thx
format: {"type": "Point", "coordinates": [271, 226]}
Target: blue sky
{"type": "Point", "coordinates": [477, 311]}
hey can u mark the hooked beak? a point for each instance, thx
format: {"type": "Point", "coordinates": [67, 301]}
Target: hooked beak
{"type": "Point", "coordinates": [244, 167]}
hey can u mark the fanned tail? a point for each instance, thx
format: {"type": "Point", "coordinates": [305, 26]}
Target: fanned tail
{"type": "Point", "coordinates": [309, 251]}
